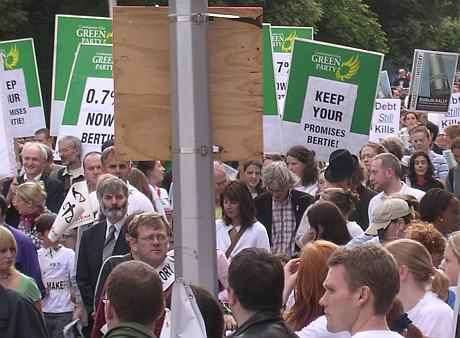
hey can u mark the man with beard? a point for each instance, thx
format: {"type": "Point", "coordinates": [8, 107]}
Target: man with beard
{"type": "Point", "coordinates": [103, 239]}
{"type": "Point", "coordinates": [148, 239]}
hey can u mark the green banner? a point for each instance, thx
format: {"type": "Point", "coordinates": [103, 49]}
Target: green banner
{"type": "Point", "coordinates": [270, 107]}
{"type": "Point", "coordinates": [331, 96]}
{"type": "Point", "coordinates": [88, 108]}
{"type": "Point", "coordinates": [282, 42]}
{"type": "Point", "coordinates": [22, 100]}
{"type": "Point", "coordinates": [70, 31]}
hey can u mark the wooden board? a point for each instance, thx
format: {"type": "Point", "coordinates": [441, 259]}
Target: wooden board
{"type": "Point", "coordinates": [142, 84]}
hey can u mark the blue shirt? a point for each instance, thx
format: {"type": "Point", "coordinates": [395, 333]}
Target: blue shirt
{"type": "Point", "coordinates": [26, 258]}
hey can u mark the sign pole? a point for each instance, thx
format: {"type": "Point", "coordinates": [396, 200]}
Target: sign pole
{"type": "Point", "coordinates": [194, 225]}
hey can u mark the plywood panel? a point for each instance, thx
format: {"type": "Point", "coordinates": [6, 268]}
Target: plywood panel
{"type": "Point", "coordinates": [142, 87]}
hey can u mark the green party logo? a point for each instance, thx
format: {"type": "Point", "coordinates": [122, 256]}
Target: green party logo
{"type": "Point", "coordinates": [330, 63]}
{"type": "Point", "coordinates": [11, 58]}
{"type": "Point", "coordinates": [348, 69]}
{"type": "Point", "coordinates": [94, 35]}
{"type": "Point", "coordinates": [286, 47]}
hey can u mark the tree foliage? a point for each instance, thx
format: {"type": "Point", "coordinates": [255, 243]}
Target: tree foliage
{"type": "Point", "coordinates": [293, 13]}
{"type": "Point", "coordinates": [12, 15]}
{"type": "Point", "coordinates": [351, 23]}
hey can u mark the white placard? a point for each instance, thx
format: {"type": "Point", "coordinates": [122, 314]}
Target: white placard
{"type": "Point", "coordinates": [385, 119]}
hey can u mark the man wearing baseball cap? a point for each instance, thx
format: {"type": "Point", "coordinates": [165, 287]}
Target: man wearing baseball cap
{"type": "Point", "coordinates": [389, 221]}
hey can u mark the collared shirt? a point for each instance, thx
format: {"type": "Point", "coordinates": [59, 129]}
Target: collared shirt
{"type": "Point", "coordinates": [35, 179]}
{"type": "Point", "coordinates": [380, 197]}
{"type": "Point", "coordinates": [283, 227]}
{"type": "Point", "coordinates": [74, 173]}
{"type": "Point", "coordinates": [118, 227]}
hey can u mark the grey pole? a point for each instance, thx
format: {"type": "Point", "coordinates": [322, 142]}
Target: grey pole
{"type": "Point", "coordinates": [194, 227]}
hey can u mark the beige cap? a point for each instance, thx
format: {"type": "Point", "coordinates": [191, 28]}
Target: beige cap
{"type": "Point", "coordinates": [389, 210]}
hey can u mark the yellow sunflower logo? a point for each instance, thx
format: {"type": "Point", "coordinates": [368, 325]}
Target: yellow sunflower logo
{"type": "Point", "coordinates": [348, 69]}
{"type": "Point", "coordinates": [288, 42]}
{"type": "Point", "coordinates": [12, 58]}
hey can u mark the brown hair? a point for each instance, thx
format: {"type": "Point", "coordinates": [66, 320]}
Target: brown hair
{"type": "Point", "coordinates": [429, 237]}
{"type": "Point", "coordinates": [135, 292]}
{"type": "Point", "coordinates": [344, 199]}
{"type": "Point", "coordinates": [452, 131]}
{"type": "Point", "coordinates": [237, 191]}
{"type": "Point", "coordinates": [307, 157]}
{"type": "Point", "coordinates": [377, 148]}
{"type": "Point", "coordinates": [328, 222]}
{"type": "Point", "coordinates": [309, 285]}
{"type": "Point", "coordinates": [455, 144]}
{"type": "Point", "coordinates": [44, 222]}
{"type": "Point", "coordinates": [244, 165]}
{"type": "Point", "coordinates": [390, 161]}
{"type": "Point", "coordinates": [137, 179]}
{"type": "Point", "coordinates": [372, 266]}
{"type": "Point", "coordinates": [415, 256]}
{"type": "Point", "coordinates": [420, 129]}
{"type": "Point", "coordinates": [147, 219]}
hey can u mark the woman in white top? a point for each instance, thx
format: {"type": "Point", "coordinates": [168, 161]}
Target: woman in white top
{"type": "Point", "coordinates": [302, 162]}
{"type": "Point", "coordinates": [426, 310]}
{"type": "Point", "coordinates": [238, 228]}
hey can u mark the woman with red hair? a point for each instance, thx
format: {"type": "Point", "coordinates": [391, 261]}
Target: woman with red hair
{"type": "Point", "coordinates": [305, 276]}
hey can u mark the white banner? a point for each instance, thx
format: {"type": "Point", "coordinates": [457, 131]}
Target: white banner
{"type": "Point", "coordinates": [449, 118]}
{"type": "Point", "coordinates": [96, 119]}
{"type": "Point", "coordinates": [76, 210]}
{"type": "Point", "coordinates": [23, 120]}
{"type": "Point", "coordinates": [8, 167]}
{"type": "Point", "coordinates": [385, 119]}
{"type": "Point", "coordinates": [327, 116]}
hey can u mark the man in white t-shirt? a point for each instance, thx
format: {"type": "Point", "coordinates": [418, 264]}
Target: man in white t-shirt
{"type": "Point", "coordinates": [385, 175]}
{"type": "Point", "coordinates": [360, 287]}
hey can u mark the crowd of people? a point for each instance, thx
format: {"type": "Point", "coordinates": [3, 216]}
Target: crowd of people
{"type": "Point", "coordinates": [362, 245]}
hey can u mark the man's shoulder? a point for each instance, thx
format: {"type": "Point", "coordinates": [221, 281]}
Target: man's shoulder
{"type": "Point", "coordinates": [95, 227]}
{"type": "Point", "coordinates": [301, 197]}
{"type": "Point", "coordinates": [267, 325]}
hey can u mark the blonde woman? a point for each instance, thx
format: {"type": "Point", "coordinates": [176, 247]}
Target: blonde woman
{"type": "Point", "coordinates": [10, 278]}
{"type": "Point", "coordinates": [29, 200]}
{"type": "Point", "coordinates": [425, 309]}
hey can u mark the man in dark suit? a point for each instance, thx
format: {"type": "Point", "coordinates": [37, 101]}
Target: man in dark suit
{"type": "Point", "coordinates": [281, 208]}
{"type": "Point", "coordinates": [34, 159]}
{"type": "Point", "coordinates": [103, 239]}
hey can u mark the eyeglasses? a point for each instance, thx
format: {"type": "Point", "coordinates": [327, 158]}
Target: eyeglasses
{"type": "Point", "coordinates": [160, 238]}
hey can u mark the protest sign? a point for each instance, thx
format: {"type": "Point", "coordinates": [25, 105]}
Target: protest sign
{"type": "Point", "coordinates": [432, 79]}
{"type": "Point", "coordinates": [8, 167]}
{"type": "Point", "coordinates": [88, 108]}
{"type": "Point", "coordinates": [76, 210]}
{"type": "Point", "coordinates": [451, 117]}
{"type": "Point", "coordinates": [271, 119]}
{"type": "Point", "coordinates": [330, 98]}
{"type": "Point", "coordinates": [282, 41]}
{"type": "Point", "coordinates": [384, 88]}
{"type": "Point", "coordinates": [70, 31]}
{"type": "Point", "coordinates": [385, 119]}
{"type": "Point", "coordinates": [22, 99]}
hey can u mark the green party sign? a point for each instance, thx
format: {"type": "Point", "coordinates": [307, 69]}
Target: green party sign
{"type": "Point", "coordinates": [331, 96]}
{"type": "Point", "coordinates": [88, 108]}
{"type": "Point", "coordinates": [282, 42]}
{"type": "Point", "coordinates": [271, 120]}
{"type": "Point", "coordinates": [70, 31]}
{"type": "Point", "coordinates": [20, 88]}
